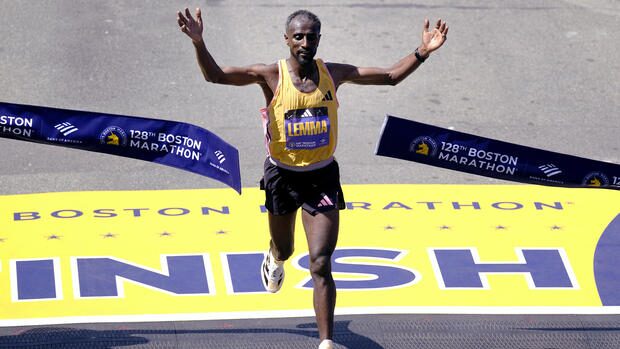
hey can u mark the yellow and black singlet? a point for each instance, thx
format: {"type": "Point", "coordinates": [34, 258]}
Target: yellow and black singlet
{"type": "Point", "coordinates": [301, 129]}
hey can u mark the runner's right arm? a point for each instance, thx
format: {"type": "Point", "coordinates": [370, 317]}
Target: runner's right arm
{"type": "Point", "coordinates": [212, 72]}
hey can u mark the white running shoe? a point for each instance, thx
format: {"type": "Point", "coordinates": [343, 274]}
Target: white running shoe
{"type": "Point", "coordinates": [273, 273]}
{"type": "Point", "coordinates": [326, 344]}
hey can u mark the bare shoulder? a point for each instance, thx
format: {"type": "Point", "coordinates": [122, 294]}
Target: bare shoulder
{"type": "Point", "coordinates": [338, 68]}
{"type": "Point", "coordinates": [266, 73]}
{"type": "Point", "coordinates": [340, 72]}
{"type": "Point", "coordinates": [259, 70]}
{"type": "Point", "coordinates": [265, 70]}
{"type": "Point", "coordinates": [270, 74]}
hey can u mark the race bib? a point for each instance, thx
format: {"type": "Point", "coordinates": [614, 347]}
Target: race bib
{"type": "Point", "coordinates": [306, 128]}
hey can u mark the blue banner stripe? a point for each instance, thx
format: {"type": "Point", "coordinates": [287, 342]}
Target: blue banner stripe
{"type": "Point", "coordinates": [414, 141]}
{"type": "Point", "coordinates": [170, 143]}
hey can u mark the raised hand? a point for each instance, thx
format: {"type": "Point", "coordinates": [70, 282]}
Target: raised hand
{"type": "Point", "coordinates": [433, 39]}
{"type": "Point", "coordinates": [190, 26]}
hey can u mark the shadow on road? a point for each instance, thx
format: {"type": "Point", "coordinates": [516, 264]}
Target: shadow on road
{"type": "Point", "coordinates": [74, 338]}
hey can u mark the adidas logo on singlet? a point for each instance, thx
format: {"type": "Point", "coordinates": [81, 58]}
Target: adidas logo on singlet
{"type": "Point", "coordinates": [328, 96]}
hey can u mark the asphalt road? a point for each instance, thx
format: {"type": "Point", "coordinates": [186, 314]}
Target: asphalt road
{"type": "Point", "coordinates": [542, 73]}
{"type": "Point", "coordinates": [539, 73]}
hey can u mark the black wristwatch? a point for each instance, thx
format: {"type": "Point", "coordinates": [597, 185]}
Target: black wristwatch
{"type": "Point", "coordinates": [419, 56]}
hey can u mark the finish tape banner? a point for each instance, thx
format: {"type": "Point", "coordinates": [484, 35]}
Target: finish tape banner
{"type": "Point", "coordinates": [436, 146]}
{"type": "Point", "coordinates": [167, 255]}
{"type": "Point", "coordinates": [170, 143]}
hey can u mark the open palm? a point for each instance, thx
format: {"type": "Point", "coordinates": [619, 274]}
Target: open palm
{"type": "Point", "coordinates": [433, 39]}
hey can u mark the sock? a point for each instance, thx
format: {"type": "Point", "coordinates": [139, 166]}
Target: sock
{"type": "Point", "coordinates": [326, 344]}
{"type": "Point", "coordinates": [274, 260]}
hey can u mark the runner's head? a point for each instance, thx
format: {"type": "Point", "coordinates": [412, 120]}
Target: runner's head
{"type": "Point", "coordinates": [303, 33]}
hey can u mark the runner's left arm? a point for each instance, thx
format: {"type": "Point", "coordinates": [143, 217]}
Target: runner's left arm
{"type": "Point", "coordinates": [431, 41]}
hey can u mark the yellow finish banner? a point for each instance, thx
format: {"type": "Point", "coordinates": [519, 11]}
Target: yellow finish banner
{"type": "Point", "coordinates": [196, 254]}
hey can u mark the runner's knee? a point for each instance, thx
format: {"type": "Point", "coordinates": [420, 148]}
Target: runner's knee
{"type": "Point", "coordinates": [320, 266]}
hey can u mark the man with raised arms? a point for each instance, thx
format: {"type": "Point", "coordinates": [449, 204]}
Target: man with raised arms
{"type": "Point", "coordinates": [300, 122]}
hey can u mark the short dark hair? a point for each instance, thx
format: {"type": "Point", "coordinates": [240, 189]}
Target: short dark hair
{"type": "Point", "coordinates": [303, 13]}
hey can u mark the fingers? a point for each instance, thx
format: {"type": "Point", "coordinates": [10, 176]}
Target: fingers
{"type": "Point", "coordinates": [199, 16]}
{"type": "Point", "coordinates": [443, 29]}
{"type": "Point", "coordinates": [186, 21]}
{"type": "Point", "coordinates": [441, 26]}
{"type": "Point", "coordinates": [189, 15]}
{"type": "Point", "coordinates": [181, 19]}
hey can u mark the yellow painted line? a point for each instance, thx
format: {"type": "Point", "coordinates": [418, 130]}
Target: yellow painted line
{"type": "Point", "coordinates": [194, 254]}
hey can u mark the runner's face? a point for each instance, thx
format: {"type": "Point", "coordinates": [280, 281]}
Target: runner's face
{"type": "Point", "coordinates": [303, 38]}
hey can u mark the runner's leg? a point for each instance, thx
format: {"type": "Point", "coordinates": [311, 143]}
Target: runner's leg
{"type": "Point", "coordinates": [282, 230]}
{"type": "Point", "coordinates": [322, 235]}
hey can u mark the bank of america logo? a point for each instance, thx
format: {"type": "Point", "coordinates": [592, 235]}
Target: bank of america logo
{"type": "Point", "coordinates": [66, 128]}
{"type": "Point", "coordinates": [550, 170]}
{"type": "Point", "coordinates": [220, 156]}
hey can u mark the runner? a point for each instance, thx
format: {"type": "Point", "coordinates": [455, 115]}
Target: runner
{"type": "Point", "coordinates": [300, 121]}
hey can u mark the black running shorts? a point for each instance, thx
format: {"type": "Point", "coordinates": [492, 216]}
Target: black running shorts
{"type": "Point", "coordinates": [314, 191]}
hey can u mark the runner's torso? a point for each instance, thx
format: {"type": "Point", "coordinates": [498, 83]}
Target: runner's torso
{"type": "Point", "coordinates": [301, 128]}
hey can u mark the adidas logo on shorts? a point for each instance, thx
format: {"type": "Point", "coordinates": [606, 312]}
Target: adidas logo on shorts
{"type": "Point", "coordinates": [325, 201]}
